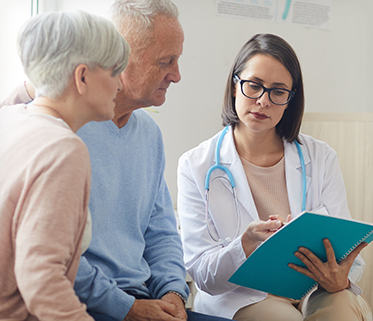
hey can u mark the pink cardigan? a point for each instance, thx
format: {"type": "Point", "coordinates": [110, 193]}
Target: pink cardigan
{"type": "Point", "coordinates": [44, 192]}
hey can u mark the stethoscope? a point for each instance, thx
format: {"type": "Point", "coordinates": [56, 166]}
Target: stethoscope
{"type": "Point", "coordinates": [233, 185]}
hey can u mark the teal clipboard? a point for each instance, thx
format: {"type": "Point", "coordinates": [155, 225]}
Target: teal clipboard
{"type": "Point", "coordinates": [267, 270]}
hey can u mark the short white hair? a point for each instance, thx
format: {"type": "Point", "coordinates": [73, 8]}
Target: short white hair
{"type": "Point", "coordinates": [134, 19]}
{"type": "Point", "coordinates": [53, 44]}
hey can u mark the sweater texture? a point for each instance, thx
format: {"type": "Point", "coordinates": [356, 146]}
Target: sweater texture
{"type": "Point", "coordinates": [135, 248]}
{"type": "Point", "coordinates": [44, 192]}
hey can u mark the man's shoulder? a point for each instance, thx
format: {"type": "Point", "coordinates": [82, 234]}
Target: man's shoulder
{"type": "Point", "coordinates": [141, 115]}
{"type": "Point", "coordinates": [144, 125]}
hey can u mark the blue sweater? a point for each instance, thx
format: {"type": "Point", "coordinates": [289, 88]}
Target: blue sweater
{"type": "Point", "coordinates": [135, 245]}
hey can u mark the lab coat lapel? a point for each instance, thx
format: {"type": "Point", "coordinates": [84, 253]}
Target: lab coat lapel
{"type": "Point", "coordinates": [294, 180]}
{"type": "Point", "coordinates": [230, 158]}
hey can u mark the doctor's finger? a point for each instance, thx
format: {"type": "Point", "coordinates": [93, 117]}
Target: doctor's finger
{"type": "Point", "coordinates": [315, 269]}
{"type": "Point", "coordinates": [272, 224]}
{"type": "Point", "coordinates": [329, 251]}
{"type": "Point", "coordinates": [275, 217]}
{"type": "Point", "coordinates": [302, 270]}
{"type": "Point", "coordinates": [305, 255]}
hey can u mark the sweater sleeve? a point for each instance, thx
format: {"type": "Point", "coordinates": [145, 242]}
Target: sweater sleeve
{"type": "Point", "coordinates": [48, 232]}
{"type": "Point", "coordinates": [163, 250]}
{"type": "Point", "coordinates": [100, 293]}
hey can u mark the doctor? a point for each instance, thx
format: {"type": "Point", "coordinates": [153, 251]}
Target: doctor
{"type": "Point", "coordinates": [263, 109]}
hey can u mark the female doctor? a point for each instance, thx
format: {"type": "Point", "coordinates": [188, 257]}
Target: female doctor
{"type": "Point", "coordinates": [263, 109]}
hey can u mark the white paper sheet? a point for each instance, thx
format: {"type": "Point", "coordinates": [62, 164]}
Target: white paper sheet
{"type": "Point", "coordinates": [310, 13]}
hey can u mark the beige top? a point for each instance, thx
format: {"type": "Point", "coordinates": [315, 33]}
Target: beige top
{"type": "Point", "coordinates": [44, 191]}
{"type": "Point", "coordinates": [268, 187]}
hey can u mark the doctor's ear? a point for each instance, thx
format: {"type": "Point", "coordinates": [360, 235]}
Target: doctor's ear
{"type": "Point", "coordinates": [234, 89]}
{"type": "Point", "coordinates": [80, 74]}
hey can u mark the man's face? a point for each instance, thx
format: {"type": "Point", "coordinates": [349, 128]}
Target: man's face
{"type": "Point", "coordinates": [150, 71]}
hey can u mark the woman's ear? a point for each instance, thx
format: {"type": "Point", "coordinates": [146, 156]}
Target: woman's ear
{"type": "Point", "coordinates": [80, 74]}
{"type": "Point", "coordinates": [233, 90]}
{"type": "Point", "coordinates": [234, 86]}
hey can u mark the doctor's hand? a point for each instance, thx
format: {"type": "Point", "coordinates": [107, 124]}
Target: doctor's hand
{"type": "Point", "coordinates": [332, 276]}
{"type": "Point", "coordinates": [153, 310]}
{"type": "Point", "coordinates": [259, 231]}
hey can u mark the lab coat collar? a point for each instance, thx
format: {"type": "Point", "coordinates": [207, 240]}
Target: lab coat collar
{"type": "Point", "coordinates": [294, 179]}
{"type": "Point", "coordinates": [293, 171]}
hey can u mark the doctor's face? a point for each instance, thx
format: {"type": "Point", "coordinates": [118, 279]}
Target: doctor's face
{"type": "Point", "coordinates": [261, 115]}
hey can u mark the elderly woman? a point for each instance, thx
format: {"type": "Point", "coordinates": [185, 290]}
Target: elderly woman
{"type": "Point", "coordinates": [73, 59]}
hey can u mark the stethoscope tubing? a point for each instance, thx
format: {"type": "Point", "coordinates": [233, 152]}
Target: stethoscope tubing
{"type": "Point", "coordinates": [233, 185]}
{"type": "Point", "coordinates": [217, 163]}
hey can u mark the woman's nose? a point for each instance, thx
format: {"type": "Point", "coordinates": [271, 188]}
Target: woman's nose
{"type": "Point", "coordinates": [264, 100]}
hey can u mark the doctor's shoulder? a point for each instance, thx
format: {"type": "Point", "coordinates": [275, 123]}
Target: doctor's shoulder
{"type": "Point", "coordinates": [317, 149]}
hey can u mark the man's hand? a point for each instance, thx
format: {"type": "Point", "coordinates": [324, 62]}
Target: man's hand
{"type": "Point", "coordinates": [153, 310]}
{"type": "Point", "coordinates": [333, 277]}
{"type": "Point", "coordinates": [178, 303]}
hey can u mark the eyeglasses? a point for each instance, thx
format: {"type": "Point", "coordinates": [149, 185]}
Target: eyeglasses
{"type": "Point", "coordinates": [254, 90]}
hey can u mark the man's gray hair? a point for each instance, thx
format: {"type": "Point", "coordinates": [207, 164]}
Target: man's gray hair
{"type": "Point", "coordinates": [53, 44]}
{"type": "Point", "coordinates": [135, 18]}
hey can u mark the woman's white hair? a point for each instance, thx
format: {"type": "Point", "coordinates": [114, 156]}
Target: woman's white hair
{"type": "Point", "coordinates": [135, 18]}
{"type": "Point", "coordinates": [53, 44]}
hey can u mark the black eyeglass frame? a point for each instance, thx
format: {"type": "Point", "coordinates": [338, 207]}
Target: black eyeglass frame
{"type": "Point", "coordinates": [265, 89]}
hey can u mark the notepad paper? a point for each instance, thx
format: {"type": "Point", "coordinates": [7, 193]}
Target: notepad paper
{"type": "Point", "coordinates": [266, 269]}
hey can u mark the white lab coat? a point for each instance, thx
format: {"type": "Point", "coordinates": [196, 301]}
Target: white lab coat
{"type": "Point", "coordinates": [210, 264]}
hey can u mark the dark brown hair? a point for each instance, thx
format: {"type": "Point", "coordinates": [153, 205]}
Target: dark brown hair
{"type": "Point", "coordinates": [271, 45]}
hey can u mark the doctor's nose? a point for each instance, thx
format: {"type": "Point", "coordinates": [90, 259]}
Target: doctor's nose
{"type": "Point", "coordinates": [264, 100]}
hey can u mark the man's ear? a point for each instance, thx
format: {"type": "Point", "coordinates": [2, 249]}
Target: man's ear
{"type": "Point", "coordinates": [80, 74]}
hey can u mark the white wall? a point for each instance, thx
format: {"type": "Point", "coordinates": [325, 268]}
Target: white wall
{"type": "Point", "coordinates": [12, 15]}
{"type": "Point", "coordinates": [336, 64]}
{"type": "Point", "coordinates": [337, 69]}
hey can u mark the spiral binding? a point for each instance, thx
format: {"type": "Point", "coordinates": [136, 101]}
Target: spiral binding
{"type": "Point", "coordinates": [308, 291]}
{"type": "Point", "coordinates": [356, 244]}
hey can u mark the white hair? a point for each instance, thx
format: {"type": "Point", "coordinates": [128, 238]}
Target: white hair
{"type": "Point", "coordinates": [53, 44]}
{"type": "Point", "coordinates": [135, 18]}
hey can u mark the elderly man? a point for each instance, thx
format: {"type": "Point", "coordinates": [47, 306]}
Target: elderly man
{"type": "Point", "coordinates": [134, 267]}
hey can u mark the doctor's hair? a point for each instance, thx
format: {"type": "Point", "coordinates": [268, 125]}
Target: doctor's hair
{"type": "Point", "coordinates": [53, 44]}
{"type": "Point", "coordinates": [270, 45]}
{"type": "Point", "coordinates": [134, 19]}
